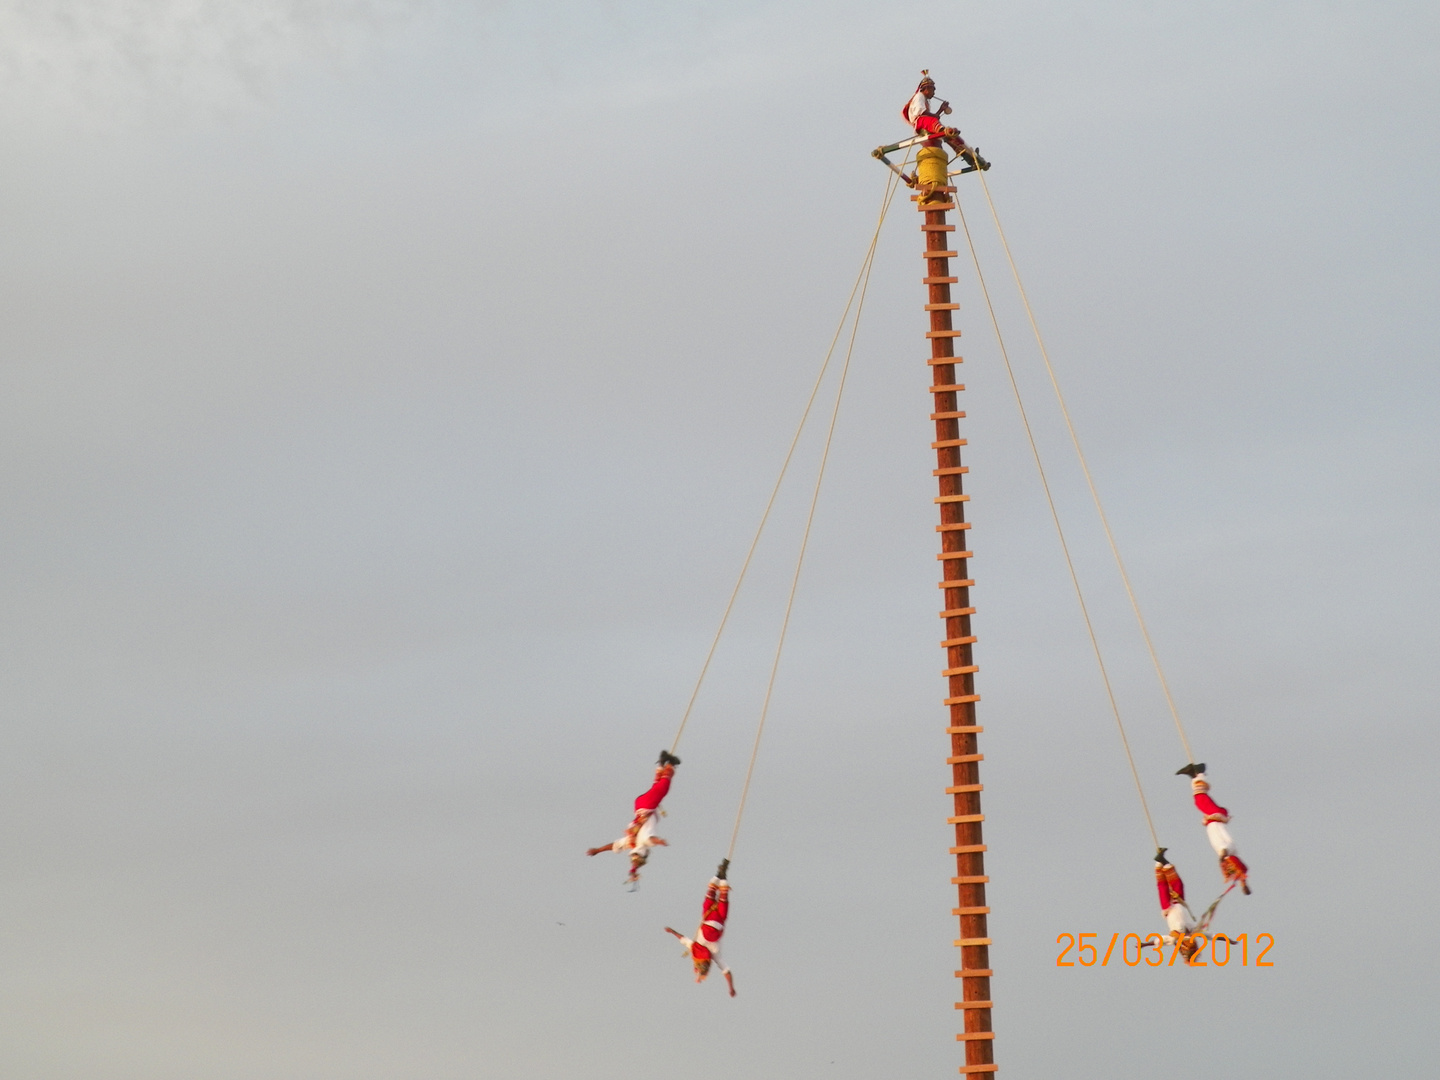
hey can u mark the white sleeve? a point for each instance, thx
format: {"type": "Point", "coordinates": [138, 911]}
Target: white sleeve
{"type": "Point", "coordinates": [917, 107]}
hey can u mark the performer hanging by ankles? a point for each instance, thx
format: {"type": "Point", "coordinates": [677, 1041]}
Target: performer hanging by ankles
{"type": "Point", "coordinates": [640, 837]}
{"type": "Point", "coordinates": [704, 950]}
{"type": "Point", "coordinates": [919, 114]}
{"type": "Point", "coordinates": [1216, 818]}
{"type": "Point", "coordinates": [1172, 905]}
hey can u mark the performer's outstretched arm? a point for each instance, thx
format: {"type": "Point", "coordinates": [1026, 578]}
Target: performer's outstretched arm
{"type": "Point", "coordinates": [598, 850]}
{"type": "Point", "coordinates": [730, 982]}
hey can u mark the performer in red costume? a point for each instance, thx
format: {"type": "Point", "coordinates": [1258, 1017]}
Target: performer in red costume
{"type": "Point", "coordinates": [640, 837]}
{"type": "Point", "coordinates": [919, 115]}
{"type": "Point", "coordinates": [1173, 906]}
{"type": "Point", "coordinates": [1184, 927]}
{"type": "Point", "coordinates": [704, 950]}
{"type": "Point", "coordinates": [1216, 818]}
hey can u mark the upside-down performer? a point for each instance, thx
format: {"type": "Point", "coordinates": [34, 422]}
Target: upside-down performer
{"type": "Point", "coordinates": [926, 121]}
{"type": "Point", "coordinates": [1216, 818]}
{"type": "Point", "coordinates": [640, 837]}
{"type": "Point", "coordinates": [704, 950]}
{"type": "Point", "coordinates": [1172, 905]}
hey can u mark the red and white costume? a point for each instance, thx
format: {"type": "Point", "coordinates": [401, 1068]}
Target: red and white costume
{"type": "Point", "coordinates": [705, 946]}
{"type": "Point", "coordinates": [1172, 900]}
{"type": "Point", "coordinates": [640, 837]}
{"type": "Point", "coordinates": [918, 115]}
{"type": "Point", "coordinates": [1216, 818]}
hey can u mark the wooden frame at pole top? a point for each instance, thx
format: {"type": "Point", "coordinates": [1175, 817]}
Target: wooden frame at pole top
{"type": "Point", "coordinates": [977, 1035]}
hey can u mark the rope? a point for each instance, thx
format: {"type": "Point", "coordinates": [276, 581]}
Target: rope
{"type": "Point", "coordinates": [1090, 482]}
{"type": "Point", "coordinates": [785, 465]}
{"type": "Point", "coordinates": [864, 283]}
{"type": "Point", "coordinates": [1055, 517]}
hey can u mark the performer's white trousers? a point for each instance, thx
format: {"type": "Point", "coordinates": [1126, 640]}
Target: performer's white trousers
{"type": "Point", "coordinates": [1220, 838]}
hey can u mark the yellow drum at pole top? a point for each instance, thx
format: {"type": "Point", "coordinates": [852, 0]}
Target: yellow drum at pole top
{"type": "Point", "coordinates": [931, 165]}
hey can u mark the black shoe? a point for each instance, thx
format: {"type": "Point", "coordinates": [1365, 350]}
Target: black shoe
{"type": "Point", "coordinates": [667, 758]}
{"type": "Point", "coordinates": [1190, 770]}
{"type": "Point", "coordinates": [980, 163]}
{"type": "Point", "coordinates": [721, 870]}
{"type": "Point", "coordinates": [1160, 856]}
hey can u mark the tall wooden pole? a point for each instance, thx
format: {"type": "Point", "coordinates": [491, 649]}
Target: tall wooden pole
{"type": "Point", "coordinates": [965, 758]}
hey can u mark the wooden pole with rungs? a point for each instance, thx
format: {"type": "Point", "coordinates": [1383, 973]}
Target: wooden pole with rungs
{"type": "Point", "coordinates": [954, 557]}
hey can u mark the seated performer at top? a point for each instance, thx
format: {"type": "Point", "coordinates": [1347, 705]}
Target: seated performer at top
{"type": "Point", "coordinates": [640, 837]}
{"type": "Point", "coordinates": [704, 950]}
{"type": "Point", "coordinates": [1216, 818]}
{"type": "Point", "coordinates": [926, 121]}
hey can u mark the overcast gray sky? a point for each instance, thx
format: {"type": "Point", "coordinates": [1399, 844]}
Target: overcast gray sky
{"type": "Point", "coordinates": [389, 393]}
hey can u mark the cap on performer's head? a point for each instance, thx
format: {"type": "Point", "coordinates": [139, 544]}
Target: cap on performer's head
{"type": "Point", "coordinates": [925, 79]}
{"type": "Point", "coordinates": [702, 968]}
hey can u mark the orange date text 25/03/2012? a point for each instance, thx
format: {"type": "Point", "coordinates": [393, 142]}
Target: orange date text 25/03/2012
{"type": "Point", "coordinates": [1218, 950]}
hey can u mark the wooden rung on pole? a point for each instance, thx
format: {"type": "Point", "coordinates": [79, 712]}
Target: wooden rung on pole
{"type": "Point", "coordinates": [928, 254]}
{"type": "Point", "coordinates": [977, 879]}
{"type": "Point", "coordinates": [938, 280]}
{"type": "Point", "coordinates": [952, 526]}
{"type": "Point", "coordinates": [956, 555]}
{"type": "Point", "coordinates": [974, 1004]}
{"type": "Point", "coordinates": [968, 729]}
{"type": "Point", "coordinates": [949, 442]}
{"type": "Point", "coordinates": [970, 911]}
{"type": "Point", "coordinates": [942, 499]}
{"type": "Point", "coordinates": [947, 416]}
{"type": "Point", "coordinates": [955, 583]}
{"type": "Point", "coordinates": [960, 759]}
{"type": "Point", "coordinates": [937, 228]}
{"type": "Point", "coordinates": [939, 360]}
{"type": "Point", "coordinates": [975, 973]}
{"type": "Point", "coordinates": [955, 613]}
{"type": "Point", "coordinates": [943, 388]}
{"type": "Point", "coordinates": [961, 819]}
{"type": "Point", "coordinates": [979, 1068]}
{"type": "Point", "coordinates": [934, 206]}
{"type": "Point", "coordinates": [965, 849]}
{"type": "Point", "coordinates": [949, 671]}
{"type": "Point", "coordinates": [974, 1036]}
{"type": "Point", "coordinates": [956, 470]}
{"type": "Point", "coordinates": [966, 942]}
{"type": "Point", "coordinates": [943, 333]}
{"type": "Point", "coordinates": [958, 641]}
{"type": "Point", "coordinates": [942, 307]}
{"type": "Point", "coordinates": [961, 700]}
